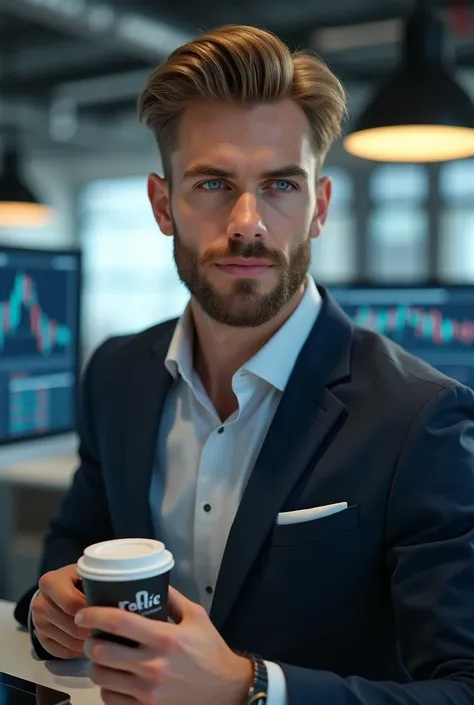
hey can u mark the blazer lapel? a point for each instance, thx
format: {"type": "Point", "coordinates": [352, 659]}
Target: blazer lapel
{"type": "Point", "coordinates": [150, 384]}
{"type": "Point", "coordinates": [307, 414]}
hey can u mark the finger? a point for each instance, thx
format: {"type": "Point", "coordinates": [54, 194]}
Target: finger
{"type": "Point", "coordinates": [123, 683]}
{"type": "Point", "coordinates": [55, 649]}
{"type": "Point", "coordinates": [148, 632]}
{"type": "Point", "coordinates": [62, 592]}
{"type": "Point", "coordinates": [178, 605]}
{"type": "Point", "coordinates": [44, 611]}
{"type": "Point", "coordinates": [50, 631]}
{"type": "Point", "coordinates": [108, 697]}
{"type": "Point", "coordinates": [142, 662]}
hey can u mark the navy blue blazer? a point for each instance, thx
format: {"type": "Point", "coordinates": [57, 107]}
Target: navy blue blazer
{"type": "Point", "coordinates": [371, 606]}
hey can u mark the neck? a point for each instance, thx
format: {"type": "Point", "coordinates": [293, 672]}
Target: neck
{"type": "Point", "coordinates": [221, 350]}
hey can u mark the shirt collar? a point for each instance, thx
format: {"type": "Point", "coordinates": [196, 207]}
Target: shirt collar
{"type": "Point", "coordinates": [179, 359]}
{"type": "Point", "coordinates": [273, 363]}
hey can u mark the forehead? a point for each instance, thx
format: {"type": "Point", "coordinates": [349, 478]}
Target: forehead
{"type": "Point", "coordinates": [243, 137]}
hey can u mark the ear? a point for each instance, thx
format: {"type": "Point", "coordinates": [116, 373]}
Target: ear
{"type": "Point", "coordinates": [159, 196]}
{"type": "Point", "coordinates": [323, 197]}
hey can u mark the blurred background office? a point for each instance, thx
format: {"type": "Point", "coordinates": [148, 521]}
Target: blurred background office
{"type": "Point", "coordinates": [75, 162]}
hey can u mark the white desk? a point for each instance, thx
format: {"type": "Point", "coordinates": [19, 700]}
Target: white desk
{"type": "Point", "coordinates": [48, 464]}
{"type": "Point", "coordinates": [16, 659]}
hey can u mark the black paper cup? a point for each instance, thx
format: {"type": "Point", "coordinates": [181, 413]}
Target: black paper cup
{"type": "Point", "coordinates": [130, 574]}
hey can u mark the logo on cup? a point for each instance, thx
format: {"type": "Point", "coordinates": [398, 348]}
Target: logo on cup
{"type": "Point", "coordinates": [145, 603]}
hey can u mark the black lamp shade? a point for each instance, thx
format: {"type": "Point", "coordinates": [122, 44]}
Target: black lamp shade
{"type": "Point", "coordinates": [421, 95]}
{"type": "Point", "coordinates": [12, 190]}
{"type": "Point", "coordinates": [18, 205]}
{"type": "Point", "coordinates": [421, 114]}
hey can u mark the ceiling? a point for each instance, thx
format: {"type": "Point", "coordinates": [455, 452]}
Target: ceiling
{"type": "Point", "coordinates": [71, 70]}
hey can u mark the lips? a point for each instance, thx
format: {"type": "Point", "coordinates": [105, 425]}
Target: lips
{"type": "Point", "coordinates": [245, 262]}
{"type": "Point", "coordinates": [245, 268]}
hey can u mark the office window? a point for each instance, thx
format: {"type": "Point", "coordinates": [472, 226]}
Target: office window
{"type": "Point", "coordinates": [456, 232]}
{"type": "Point", "coordinates": [399, 182]}
{"type": "Point", "coordinates": [398, 223]}
{"type": "Point", "coordinates": [130, 280]}
{"type": "Point", "coordinates": [334, 251]}
{"type": "Point", "coordinates": [456, 180]}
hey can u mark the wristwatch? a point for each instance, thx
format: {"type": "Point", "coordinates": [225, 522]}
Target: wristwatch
{"type": "Point", "coordinates": [258, 693]}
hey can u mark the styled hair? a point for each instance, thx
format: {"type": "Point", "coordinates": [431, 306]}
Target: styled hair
{"type": "Point", "coordinates": [243, 65]}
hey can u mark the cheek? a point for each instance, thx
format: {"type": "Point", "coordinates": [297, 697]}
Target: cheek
{"type": "Point", "coordinates": [180, 211]}
{"type": "Point", "coordinates": [201, 226]}
{"type": "Point", "coordinates": [296, 208]}
{"type": "Point", "coordinates": [202, 205]}
{"type": "Point", "coordinates": [288, 227]}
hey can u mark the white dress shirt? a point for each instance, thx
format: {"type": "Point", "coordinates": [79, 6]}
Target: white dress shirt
{"type": "Point", "coordinates": [203, 465]}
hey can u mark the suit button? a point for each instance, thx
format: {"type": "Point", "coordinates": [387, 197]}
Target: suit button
{"type": "Point", "coordinates": [207, 507]}
{"type": "Point", "coordinates": [209, 590]}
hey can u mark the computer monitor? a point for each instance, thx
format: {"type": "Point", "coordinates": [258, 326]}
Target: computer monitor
{"type": "Point", "coordinates": [435, 323]}
{"type": "Point", "coordinates": [39, 342]}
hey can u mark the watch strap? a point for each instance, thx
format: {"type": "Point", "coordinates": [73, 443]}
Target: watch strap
{"type": "Point", "coordinates": [258, 692]}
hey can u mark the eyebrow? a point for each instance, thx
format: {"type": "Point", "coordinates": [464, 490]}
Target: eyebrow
{"type": "Point", "coordinates": [288, 170]}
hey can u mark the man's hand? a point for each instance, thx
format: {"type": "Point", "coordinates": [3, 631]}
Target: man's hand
{"type": "Point", "coordinates": [53, 612]}
{"type": "Point", "coordinates": [175, 664]}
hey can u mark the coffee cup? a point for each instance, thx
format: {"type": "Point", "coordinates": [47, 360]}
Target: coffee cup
{"type": "Point", "coordinates": [130, 574]}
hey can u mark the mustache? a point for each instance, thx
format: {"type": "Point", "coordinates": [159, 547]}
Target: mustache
{"type": "Point", "coordinates": [248, 250]}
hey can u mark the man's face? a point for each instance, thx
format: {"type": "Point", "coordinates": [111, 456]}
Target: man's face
{"type": "Point", "coordinates": [244, 206]}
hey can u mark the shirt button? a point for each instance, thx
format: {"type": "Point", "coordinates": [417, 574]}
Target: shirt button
{"type": "Point", "coordinates": [221, 430]}
{"type": "Point", "coordinates": [207, 507]}
{"type": "Point", "coordinates": [209, 590]}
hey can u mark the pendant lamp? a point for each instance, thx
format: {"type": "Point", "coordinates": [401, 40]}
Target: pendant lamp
{"type": "Point", "coordinates": [421, 114]}
{"type": "Point", "coordinates": [19, 208]}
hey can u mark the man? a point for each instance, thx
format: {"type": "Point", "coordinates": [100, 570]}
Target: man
{"type": "Point", "coordinates": [314, 482]}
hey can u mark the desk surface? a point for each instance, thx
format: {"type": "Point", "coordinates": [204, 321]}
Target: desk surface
{"type": "Point", "coordinates": [54, 473]}
{"type": "Point", "coordinates": [47, 463]}
{"type": "Point", "coordinates": [16, 659]}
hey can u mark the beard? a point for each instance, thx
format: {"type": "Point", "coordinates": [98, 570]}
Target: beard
{"type": "Point", "coordinates": [245, 306]}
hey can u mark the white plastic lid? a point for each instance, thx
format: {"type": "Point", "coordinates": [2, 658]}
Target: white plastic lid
{"type": "Point", "coordinates": [124, 560]}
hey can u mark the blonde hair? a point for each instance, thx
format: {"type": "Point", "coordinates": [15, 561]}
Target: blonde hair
{"type": "Point", "coordinates": [244, 65]}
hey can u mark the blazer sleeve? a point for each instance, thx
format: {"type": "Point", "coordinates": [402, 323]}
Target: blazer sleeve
{"type": "Point", "coordinates": [430, 568]}
{"type": "Point", "coordinates": [83, 516]}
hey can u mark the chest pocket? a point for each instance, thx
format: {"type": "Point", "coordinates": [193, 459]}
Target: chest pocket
{"type": "Point", "coordinates": [316, 529]}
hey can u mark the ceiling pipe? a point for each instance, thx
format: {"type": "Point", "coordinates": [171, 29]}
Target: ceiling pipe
{"type": "Point", "coordinates": [133, 33]}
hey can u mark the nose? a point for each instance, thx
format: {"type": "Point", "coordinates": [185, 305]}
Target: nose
{"type": "Point", "coordinates": [245, 222]}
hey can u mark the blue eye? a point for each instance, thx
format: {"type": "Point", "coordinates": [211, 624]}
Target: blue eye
{"type": "Point", "coordinates": [282, 185]}
{"type": "Point", "coordinates": [213, 185]}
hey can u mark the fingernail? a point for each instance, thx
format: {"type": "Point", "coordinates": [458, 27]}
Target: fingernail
{"type": "Point", "coordinates": [79, 619]}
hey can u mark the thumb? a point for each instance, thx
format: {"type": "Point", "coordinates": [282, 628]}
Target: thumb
{"type": "Point", "coordinates": [179, 607]}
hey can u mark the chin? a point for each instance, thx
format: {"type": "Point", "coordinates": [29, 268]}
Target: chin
{"type": "Point", "coordinates": [239, 319]}
{"type": "Point", "coordinates": [240, 289]}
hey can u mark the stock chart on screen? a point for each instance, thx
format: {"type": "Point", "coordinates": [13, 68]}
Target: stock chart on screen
{"type": "Point", "coordinates": [39, 318]}
{"type": "Point", "coordinates": [435, 323]}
